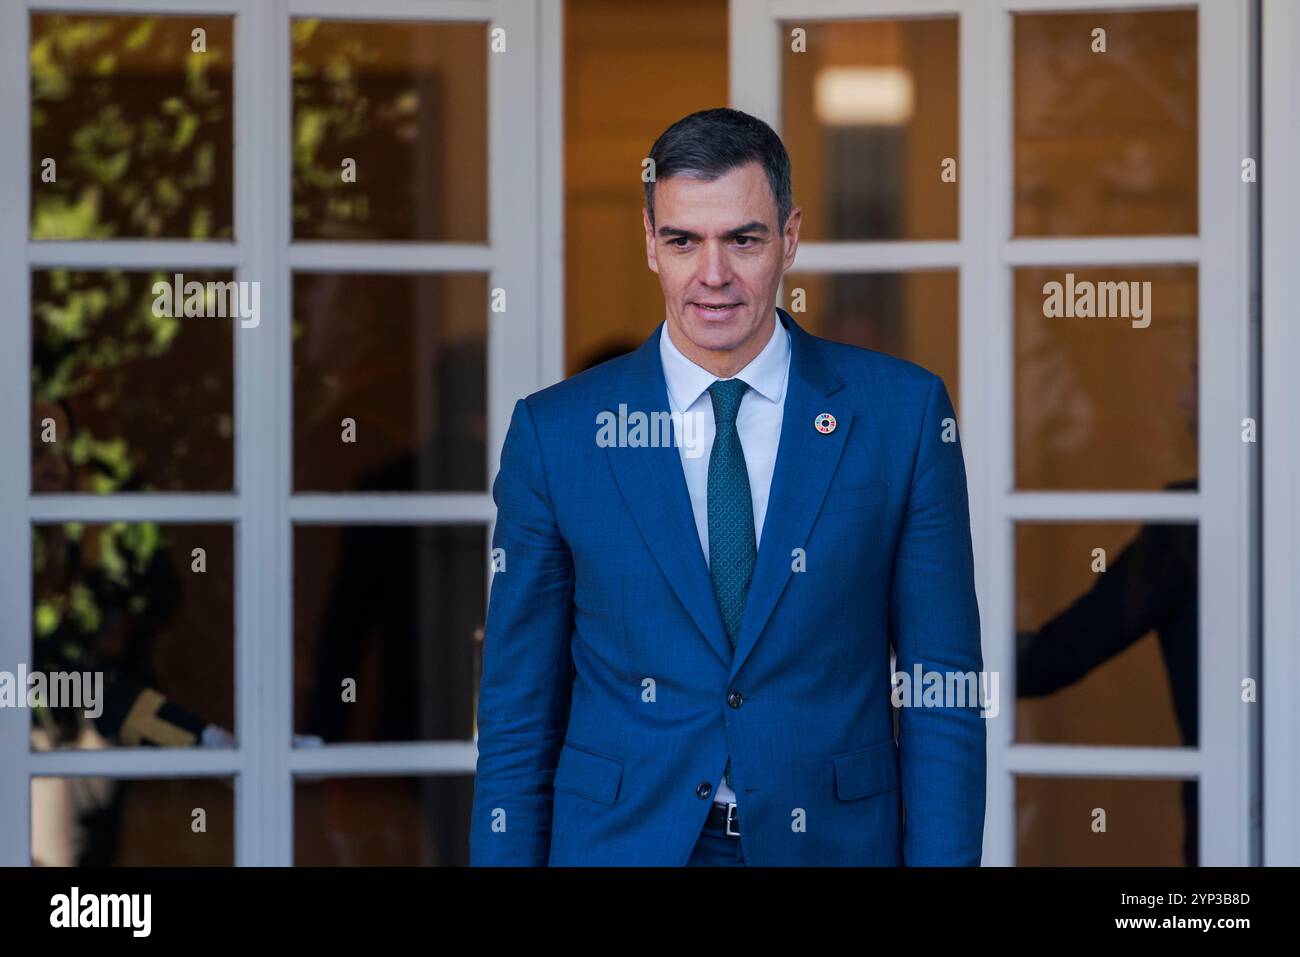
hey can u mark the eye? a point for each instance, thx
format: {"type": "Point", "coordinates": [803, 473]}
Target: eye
{"type": "Point", "coordinates": [679, 239]}
{"type": "Point", "coordinates": [748, 240]}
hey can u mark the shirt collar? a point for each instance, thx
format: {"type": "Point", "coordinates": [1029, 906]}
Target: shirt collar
{"type": "Point", "coordinates": [765, 374]}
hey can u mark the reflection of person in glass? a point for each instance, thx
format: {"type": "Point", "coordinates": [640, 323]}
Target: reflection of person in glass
{"type": "Point", "coordinates": [102, 596]}
{"type": "Point", "coordinates": [1151, 586]}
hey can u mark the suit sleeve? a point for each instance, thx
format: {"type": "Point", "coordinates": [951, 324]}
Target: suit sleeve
{"type": "Point", "coordinates": [524, 692]}
{"type": "Point", "coordinates": [934, 623]}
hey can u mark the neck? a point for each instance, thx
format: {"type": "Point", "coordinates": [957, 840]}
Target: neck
{"type": "Point", "coordinates": [724, 364]}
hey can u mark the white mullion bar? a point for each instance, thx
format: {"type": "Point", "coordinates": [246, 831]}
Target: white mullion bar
{"type": "Point", "coordinates": [397, 10]}
{"type": "Point", "coordinates": [1227, 465]}
{"type": "Point", "coordinates": [1281, 432]}
{"type": "Point", "coordinates": [401, 508]}
{"type": "Point", "coordinates": [1104, 251]}
{"type": "Point", "coordinates": [415, 758]}
{"type": "Point", "coordinates": [1095, 6]}
{"type": "Point", "coordinates": [15, 464]}
{"type": "Point", "coordinates": [390, 257]}
{"type": "Point", "coordinates": [796, 10]}
{"type": "Point", "coordinates": [136, 7]}
{"type": "Point", "coordinates": [134, 254]}
{"type": "Point", "coordinates": [258, 683]}
{"type": "Point", "coordinates": [998, 447]}
{"type": "Point", "coordinates": [1102, 506]}
{"type": "Point", "coordinates": [754, 63]}
{"type": "Point", "coordinates": [513, 336]}
{"type": "Point", "coordinates": [277, 693]}
{"type": "Point", "coordinates": [976, 424]}
{"type": "Point", "coordinates": [135, 507]}
{"type": "Point", "coordinates": [878, 256]}
{"type": "Point", "coordinates": [551, 227]}
{"type": "Point", "coordinates": [1095, 761]}
{"type": "Point", "coordinates": [137, 762]}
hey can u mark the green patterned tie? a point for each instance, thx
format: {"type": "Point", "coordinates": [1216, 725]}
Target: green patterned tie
{"type": "Point", "coordinates": [732, 546]}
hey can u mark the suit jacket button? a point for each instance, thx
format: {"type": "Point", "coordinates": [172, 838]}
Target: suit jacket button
{"type": "Point", "coordinates": [734, 699]}
{"type": "Point", "coordinates": [704, 789]}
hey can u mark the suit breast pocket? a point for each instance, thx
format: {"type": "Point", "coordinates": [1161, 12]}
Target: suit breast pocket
{"type": "Point", "coordinates": [596, 777]}
{"type": "Point", "coordinates": [847, 498]}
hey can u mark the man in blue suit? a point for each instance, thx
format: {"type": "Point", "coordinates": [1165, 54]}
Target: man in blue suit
{"type": "Point", "coordinates": [704, 551]}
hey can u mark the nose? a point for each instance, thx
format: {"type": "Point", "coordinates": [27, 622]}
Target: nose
{"type": "Point", "coordinates": [715, 270]}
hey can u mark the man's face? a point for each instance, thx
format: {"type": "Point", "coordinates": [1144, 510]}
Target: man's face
{"type": "Point", "coordinates": [720, 259]}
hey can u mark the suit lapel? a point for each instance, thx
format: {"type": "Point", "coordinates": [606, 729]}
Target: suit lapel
{"type": "Point", "coordinates": [653, 485]}
{"type": "Point", "coordinates": [805, 462]}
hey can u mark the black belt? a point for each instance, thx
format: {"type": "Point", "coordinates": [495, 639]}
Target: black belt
{"type": "Point", "coordinates": [723, 817]}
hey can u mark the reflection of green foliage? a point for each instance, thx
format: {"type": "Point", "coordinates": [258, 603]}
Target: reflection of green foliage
{"type": "Point", "coordinates": [90, 590]}
{"type": "Point", "coordinates": [132, 116]}
{"type": "Point", "coordinates": [80, 333]}
{"type": "Point", "coordinates": [109, 574]}
{"type": "Point", "coordinates": [71, 337]}
{"type": "Point", "coordinates": [330, 110]}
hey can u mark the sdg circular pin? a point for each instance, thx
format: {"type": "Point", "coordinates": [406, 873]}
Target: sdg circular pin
{"type": "Point", "coordinates": [824, 423]}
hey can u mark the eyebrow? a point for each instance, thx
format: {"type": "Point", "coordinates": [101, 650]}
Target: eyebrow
{"type": "Point", "coordinates": [753, 226]}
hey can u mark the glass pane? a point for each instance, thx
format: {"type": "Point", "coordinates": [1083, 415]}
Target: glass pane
{"type": "Point", "coordinates": [389, 130]}
{"type": "Point", "coordinates": [909, 315]}
{"type": "Point", "coordinates": [385, 631]}
{"type": "Point", "coordinates": [125, 399]}
{"type": "Point", "coordinates": [403, 359]}
{"type": "Point", "coordinates": [1105, 142]}
{"type": "Point", "coordinates": [115, 822]}
{"type": "Point", "coordinates": [1147, 823]}
{"type": "Point", "coordinates": [140, 616]}
{"type": "Point", "coordinates": [131, 126]}
{"type": "Point", "coordinates": [869, 117]}
{"type": "Point", "coordinates": [394, 822]}
{"type": "Point", "coordinates": [618, 52]}
{"type": "Point", "coordinates": [1105, 377]}
{"type": "Point", "coordinates": [1106, 634]}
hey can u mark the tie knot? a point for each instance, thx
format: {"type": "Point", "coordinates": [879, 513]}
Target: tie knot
{"type": "Point", "coordinates": [726, 395]}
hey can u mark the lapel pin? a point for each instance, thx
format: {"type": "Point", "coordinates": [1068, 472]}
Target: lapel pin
{"type": "Point", "coordinates": [824, 423]}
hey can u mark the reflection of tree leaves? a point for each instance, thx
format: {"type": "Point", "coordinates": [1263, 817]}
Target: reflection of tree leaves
{"type": "Point", "coordinates": [135, 145]}
{"type": "Point", "coordinates": [332, 112]}
{"type": "Point", "coordinates": [74, 345]}
{"type": "Point", "coordinates": [91, 580]}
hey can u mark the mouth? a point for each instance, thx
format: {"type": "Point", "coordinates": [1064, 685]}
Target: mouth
{"type": "Point", "coordinates": [715, 311]}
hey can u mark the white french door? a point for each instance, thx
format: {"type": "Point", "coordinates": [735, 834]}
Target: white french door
{"type": "Point", "coordinates": [1034, 432]}
{"type": "Point", "coordinates": [461, 273]}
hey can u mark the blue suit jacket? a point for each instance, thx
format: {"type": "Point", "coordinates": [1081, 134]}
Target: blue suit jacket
{"type": "Point", "coordinates": [605, 711]}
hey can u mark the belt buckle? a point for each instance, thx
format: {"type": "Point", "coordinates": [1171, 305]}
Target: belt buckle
{"type": "Point", "coordinates": [731, 816]}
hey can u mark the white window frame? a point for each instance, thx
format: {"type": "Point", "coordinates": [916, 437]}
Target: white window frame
{"type": "Point", "coordinates": [1280, 430]}
{"type": "Point", "coordinates": [987, 255]}
{"type": "Point", "coordinates": [522, 94]}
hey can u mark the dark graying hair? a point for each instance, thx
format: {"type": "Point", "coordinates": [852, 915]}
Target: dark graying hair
{"type": "Point", "coordinates": [711, 143]}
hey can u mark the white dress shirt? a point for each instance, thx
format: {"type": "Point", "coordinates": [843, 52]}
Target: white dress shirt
{"type": "Point", "coordinates": [758, 422]}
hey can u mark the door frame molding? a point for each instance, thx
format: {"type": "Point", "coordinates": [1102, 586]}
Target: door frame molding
{"type": "Point", "coordinates": [1280, 426]}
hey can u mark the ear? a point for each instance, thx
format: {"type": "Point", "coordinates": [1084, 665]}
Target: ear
{"type": "Point", "coordinates": [791, 237]}
{"type": "Point", "coordinates": [651, 261]}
